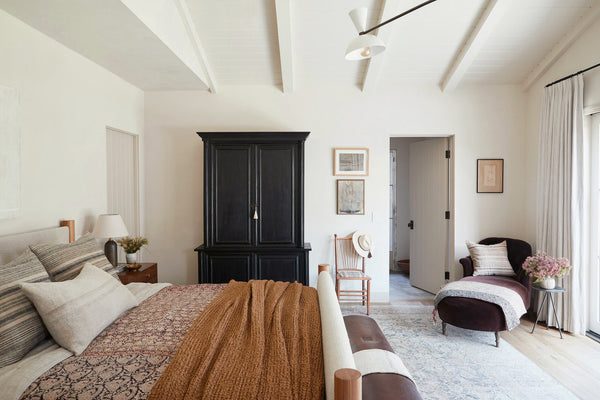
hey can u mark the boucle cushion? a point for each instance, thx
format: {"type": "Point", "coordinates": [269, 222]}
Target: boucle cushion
{"type": "Point", "coordinates": [21, 328]}
{"type": "Point", "coordinates": [490, 259]}
{"type": "Point", "coordinates": [76, 311]}
{"type": "Point", "coordinates": [64, 261]}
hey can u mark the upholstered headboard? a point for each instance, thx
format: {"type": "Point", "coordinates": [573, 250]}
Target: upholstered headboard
{"type": "Point", "coordinates": [12, 246]}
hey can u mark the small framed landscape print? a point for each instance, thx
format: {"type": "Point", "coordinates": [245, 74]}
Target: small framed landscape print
{"type": "Point", "coordinates": [351, 162]}
{"type": "Point", "coordinates": [490, 175]}
{"type": "Point", "coordinates": [351, 196]}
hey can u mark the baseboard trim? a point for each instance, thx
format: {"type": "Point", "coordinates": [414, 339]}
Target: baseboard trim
{"type": "Point", "coordinates": [593, 336]}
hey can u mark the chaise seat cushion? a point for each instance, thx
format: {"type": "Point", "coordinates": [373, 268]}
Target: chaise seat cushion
{"type": "Point", "coordinates": [477, 314]}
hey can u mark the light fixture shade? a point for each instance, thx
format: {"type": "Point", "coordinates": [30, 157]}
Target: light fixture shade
{"type": "Point", "coordinates": [364, 46]}
{"type": "Point", "coordinates": [359, 18]}
{"type": "Point", "coordinates": [110, 226]}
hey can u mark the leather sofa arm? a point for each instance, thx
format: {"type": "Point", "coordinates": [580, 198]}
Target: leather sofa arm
{"type": "Point", "coordinates": [467, 264]}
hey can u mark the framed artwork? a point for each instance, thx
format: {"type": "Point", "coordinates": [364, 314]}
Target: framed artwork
{"type": "Point", "coordinates": [490, 175]}
{"type": "Point", "coordinates": [351, 162]}
{"type": "Point", "coordinates": [351, 196]}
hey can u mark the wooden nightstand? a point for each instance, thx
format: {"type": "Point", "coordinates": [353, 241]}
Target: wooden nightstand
{"type": "Point", "coordinates": [148, 272]}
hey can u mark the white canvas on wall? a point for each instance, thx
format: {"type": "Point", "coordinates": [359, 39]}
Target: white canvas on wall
{"type": "Point", "coordinates": [10, 153]}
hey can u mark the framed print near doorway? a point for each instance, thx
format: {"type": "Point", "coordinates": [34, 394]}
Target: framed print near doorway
{"type": "Point", "coordinates": [490, 175]}
{"type": "Point", "coordinates": [351, 197]}
{"type": "Point", "coordinates": [351, 162]}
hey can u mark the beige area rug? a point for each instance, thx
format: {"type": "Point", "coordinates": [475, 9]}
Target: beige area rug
{"type": "Point", "coordinates": [463, 364]}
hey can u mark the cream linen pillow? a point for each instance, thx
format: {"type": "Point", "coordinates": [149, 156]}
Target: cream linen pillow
{"type": "Point", "coordinates": [490, 259]}
{"type": "Point", "coordinates": [76, 311]}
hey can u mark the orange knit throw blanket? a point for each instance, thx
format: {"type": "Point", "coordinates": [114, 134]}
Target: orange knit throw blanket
{"type": "Point", "coordinates": [257, 340]}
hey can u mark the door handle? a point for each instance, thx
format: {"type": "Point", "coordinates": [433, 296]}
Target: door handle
{"type": "Point", "coordinates": [411, 224]}
{"type": "Point", "coordinates": [255, 216]}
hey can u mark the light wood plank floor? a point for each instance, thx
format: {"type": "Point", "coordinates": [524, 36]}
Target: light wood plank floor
{"type": "Point", "coordinates": [573, 361]}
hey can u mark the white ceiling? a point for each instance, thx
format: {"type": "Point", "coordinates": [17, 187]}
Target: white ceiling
{"type": "Point", "coordinates": [302, 43]}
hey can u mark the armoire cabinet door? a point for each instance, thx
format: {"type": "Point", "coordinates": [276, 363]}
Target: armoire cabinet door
{"type": "Point", "coordinates": [232, 195]}
{"type": "Point", "coordinates": [280, 267]}
{"type": "Point", "coordinates": [221, 268]}
{"type": "Point", "coordinates": [277, 175]}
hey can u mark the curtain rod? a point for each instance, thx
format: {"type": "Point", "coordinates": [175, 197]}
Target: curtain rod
{"type": "Point", "coordinates": [572, 75]}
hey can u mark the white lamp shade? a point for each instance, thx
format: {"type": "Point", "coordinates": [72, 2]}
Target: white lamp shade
{"type": "Point", "coordinates": [359, 18]}
{"type": "Point", "coordinates": [110, 226]}
{"type": "Point", "coordinates": [364, 46]}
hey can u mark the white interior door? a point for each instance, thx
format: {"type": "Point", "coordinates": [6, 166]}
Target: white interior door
{"type": "Point", "coordinates": [123, 180]}
{"type": "Point", "coordinates": [428, 203]}
{"type": "Point", "coordinates": [594, 296]}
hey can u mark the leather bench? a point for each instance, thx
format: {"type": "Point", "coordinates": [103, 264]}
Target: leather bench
{"type": "Point", "coordinates": [365, 334]}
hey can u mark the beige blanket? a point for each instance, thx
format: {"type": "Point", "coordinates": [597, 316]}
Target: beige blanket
{"type": "Point", "coordinates": [257, 340]}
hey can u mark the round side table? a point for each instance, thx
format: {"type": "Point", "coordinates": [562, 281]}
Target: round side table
{"type": "Point", "coordinates": [548, 295]}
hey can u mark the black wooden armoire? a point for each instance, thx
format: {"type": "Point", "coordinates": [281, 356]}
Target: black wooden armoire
{"type": "Point", "coordinates": [253, 207]}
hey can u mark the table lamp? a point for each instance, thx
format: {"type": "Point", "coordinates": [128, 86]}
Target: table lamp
{"type": "Point", "coordinates": [110, 226]}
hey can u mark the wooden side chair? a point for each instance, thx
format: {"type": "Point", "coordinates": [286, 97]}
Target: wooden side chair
{"type": "Point", "coordinates": [349, 265]}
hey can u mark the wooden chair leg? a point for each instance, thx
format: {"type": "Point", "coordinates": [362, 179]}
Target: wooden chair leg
{"type": "Point", "coordinates": [363, 293]}
{"type": "Point", "coordinates": [368, 296]}
{"type": "Point", "coordinates": [497, 339]}
{"type": "Point", "coordinates": [443, 328]}
{"type": "Point", "coordinates": [337, 289]}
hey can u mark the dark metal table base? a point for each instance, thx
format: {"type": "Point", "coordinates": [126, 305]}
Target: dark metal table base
{"type": "Point", "coordinates": [546, 295]}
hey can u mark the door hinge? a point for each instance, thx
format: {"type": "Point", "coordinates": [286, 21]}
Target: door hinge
{"type": "Point", "coordinates": [447, 153]}
{"type": "Point", "coordinates": [447, 275]}
{"type": "Point", "coordinates": [447, 215]}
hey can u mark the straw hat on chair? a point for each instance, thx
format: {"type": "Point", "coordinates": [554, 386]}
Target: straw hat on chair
{"type": "Point", "coordinates": [363, 243]}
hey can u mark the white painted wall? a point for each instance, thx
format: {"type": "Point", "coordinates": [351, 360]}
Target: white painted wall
{"type": "Point", "coordinates": [66, 102]}
{"type": "Point", "coordinates": [582, 54]}
{"type": "Point", "coordinates": [488, 123]}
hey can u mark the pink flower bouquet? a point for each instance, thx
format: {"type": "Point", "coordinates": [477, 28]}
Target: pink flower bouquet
{"type": "Point", "coordinates": [542, 266]}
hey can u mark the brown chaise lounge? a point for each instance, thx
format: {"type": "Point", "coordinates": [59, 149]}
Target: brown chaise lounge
{"type": "Point", "coordinates": [481, 315]}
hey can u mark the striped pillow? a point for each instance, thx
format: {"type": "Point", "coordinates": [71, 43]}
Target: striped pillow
{"type": "Point", "coordinates": [490, 259]}
{"type": "Point", "coordinates": [64, 261]}
{"type": "Point", "coordinates": [21, 328]}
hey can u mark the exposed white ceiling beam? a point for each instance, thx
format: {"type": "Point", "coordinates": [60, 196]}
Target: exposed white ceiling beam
{"type": "Point", "coordinates": [171, 23]}
{"type": "Point", "coordinates": [389, 9]}
{"type": "Point", "coordinates": [199, 52]}
{"type": "Point", "coordinates": [491, 14]}
{"type": "Point", "coordinates": [562, 46]}
{"type": "Point", "coordinates": [284, 32]}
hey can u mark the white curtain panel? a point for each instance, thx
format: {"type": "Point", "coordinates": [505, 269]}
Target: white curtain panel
{"type": "Point", "coordinates": [563, 197]}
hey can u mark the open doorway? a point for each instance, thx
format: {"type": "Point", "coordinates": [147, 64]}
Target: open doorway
{"type": "Point", "coordinates": [421, 211]}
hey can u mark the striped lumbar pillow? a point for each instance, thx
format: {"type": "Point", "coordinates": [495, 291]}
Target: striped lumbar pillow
{"type": "Point", "coordinates": [490, 259]}
{"type": "Point", "coordinates": [21, 328]}
{"type": "Point", "coordinates": [64, 261]}
{"type": "Point", "coordinates": [77, 310]}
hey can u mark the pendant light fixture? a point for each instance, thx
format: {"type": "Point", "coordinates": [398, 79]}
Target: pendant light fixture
{"type": "Point", "coordinates": [367, 45]}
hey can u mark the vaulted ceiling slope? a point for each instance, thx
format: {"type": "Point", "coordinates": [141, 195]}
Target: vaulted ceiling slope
{"type": "Point", "coordinates": [204, 45]}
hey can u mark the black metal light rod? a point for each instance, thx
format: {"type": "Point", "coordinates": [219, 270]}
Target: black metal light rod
{"type": "Point", "coordinates": [397, 16]}
{"type": "Point", "coordinates": [572, 75]}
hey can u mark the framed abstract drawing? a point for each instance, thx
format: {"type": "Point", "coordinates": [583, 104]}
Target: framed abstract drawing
{"type": "Point", "coordinates": [490, 175]}
{"type": "Point", "coordinates": [351, 162]}
{"type": "Point", "coordinates": [351, 196]}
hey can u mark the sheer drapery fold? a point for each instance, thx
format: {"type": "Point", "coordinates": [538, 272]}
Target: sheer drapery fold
{"type": "Point", "coordinates": [563, 197]}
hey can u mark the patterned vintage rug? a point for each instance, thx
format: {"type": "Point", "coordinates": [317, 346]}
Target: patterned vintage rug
{"type": "Point", "coordinates": [463, 364]}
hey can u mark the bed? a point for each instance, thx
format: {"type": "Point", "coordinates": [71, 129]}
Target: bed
{"type": "Point", "coordinates": [143, 353]}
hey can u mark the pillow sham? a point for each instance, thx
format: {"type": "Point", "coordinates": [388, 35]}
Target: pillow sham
{"type": "Point", "coordinates": [21, 327]}
{"type": "Point", "coordinates": [64, 261]}
{"type": "Point", "coordinates": [76, 311]}
{"type": "Point", "coordinates": [490, 259]}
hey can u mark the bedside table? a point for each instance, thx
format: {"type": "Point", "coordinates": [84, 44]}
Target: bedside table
{"type": "Point", "coordinates": [148, 273]}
